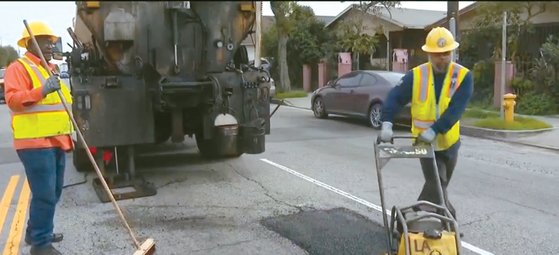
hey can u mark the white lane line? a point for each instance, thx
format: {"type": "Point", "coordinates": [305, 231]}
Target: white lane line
{"type": "Point", "coordinates": [359, 200]}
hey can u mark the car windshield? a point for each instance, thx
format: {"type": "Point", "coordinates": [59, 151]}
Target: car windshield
{"type": "Point", "coordinates": [393, 78]}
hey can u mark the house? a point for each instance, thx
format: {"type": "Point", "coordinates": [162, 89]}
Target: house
{"type": "Point", "coordinates": [397, 28]}
{"type": "Point", "coordinates": [545, 23]}
{"type": "Point", "coordinates": [267, 21]}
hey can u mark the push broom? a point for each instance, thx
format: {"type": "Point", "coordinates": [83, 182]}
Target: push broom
{"type": "Point", "coordinates": [148, 246]}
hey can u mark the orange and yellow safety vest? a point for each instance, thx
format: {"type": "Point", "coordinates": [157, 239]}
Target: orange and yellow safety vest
{"type": "Point", "coordinates": [48, 117]}
{"type": "Point", "coordinates": [424, 109]}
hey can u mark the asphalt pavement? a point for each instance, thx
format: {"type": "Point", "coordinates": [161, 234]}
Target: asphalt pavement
{"type": "Point", "coordinates": [314, 191]}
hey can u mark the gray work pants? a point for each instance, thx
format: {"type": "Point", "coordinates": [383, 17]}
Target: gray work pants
{"type": "Point", "coordinates": [446, 162]}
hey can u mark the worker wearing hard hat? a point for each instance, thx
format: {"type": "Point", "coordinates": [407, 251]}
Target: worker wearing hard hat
{"type": "Point", "coordinates": [439, 92]}
{"type": "Point", "coordinates": [41, 133]}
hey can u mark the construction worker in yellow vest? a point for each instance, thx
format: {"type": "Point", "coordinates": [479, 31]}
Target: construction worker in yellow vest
{"type": "Point", "coordinates": [439, 92]}
{"type": "Point", "coordinates": [42, 134]}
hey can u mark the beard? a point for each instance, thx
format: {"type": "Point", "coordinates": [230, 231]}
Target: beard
{"type": "Point", "coordinates": [440, 67]}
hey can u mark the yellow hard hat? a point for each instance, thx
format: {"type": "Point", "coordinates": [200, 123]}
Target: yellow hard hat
{"type": "Point", "coordinates": [38, 28]}
{"type": "Point", "coordinates": [439, 40]}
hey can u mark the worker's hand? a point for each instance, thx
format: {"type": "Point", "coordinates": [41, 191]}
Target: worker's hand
{"type": "Point", "coordinates": [52, 84]}
{"type": "Point", "coordinates": [386, 132]}
{"type": "Point", "coordinates": [428, 136]}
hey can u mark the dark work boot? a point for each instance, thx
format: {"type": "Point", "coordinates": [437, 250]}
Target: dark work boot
{"type": "Point", "coordinates": [55, 238]}
{"type": "Point", "coordinates": [46, 250]}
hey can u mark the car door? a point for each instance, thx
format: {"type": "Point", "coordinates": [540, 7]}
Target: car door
{"type": "Point", "coordinates": [347, 88]}
{"type": "Point", "coordinates": [335, 101]}
{"type": "Point", "coordinates": [362, 95]}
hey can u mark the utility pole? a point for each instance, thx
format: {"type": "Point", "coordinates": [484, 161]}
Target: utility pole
{"type": "Point", "coordinates": [258, 32]}
{"type": "Point", "coordinates": [452, 18]}
{"type": "Point", "coordinates": [503, 62]}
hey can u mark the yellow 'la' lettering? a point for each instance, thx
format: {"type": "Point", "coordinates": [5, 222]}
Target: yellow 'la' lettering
{"type": "Point", "coordinates": [423, 246]}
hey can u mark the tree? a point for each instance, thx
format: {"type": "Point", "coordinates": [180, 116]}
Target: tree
{"type": "Point", "coordinates": [376, 6]}
{"type": "Point", "coordinates": [353, 38]}
{"type": "Point", "coordinates": [7, 55]}
{"type": "Point", "coordinates": [309, 42]}
{"type": "Point", "coordinates": [489, 22]}
{"type": "Point", "coordinates": [285, 25]}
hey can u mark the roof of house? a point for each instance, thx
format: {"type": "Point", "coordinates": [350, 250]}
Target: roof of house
{"type": "Point", "coordinates": [402, 17]}
{"type": "Point", "coordinates": [268, 20]}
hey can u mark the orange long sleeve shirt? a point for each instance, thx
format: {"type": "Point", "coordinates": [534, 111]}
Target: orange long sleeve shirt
{"type": "Point", "coordinates": [20, 95]}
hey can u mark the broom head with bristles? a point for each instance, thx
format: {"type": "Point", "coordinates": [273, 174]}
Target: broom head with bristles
{"type": "Point", "coordinates": [147, 248]}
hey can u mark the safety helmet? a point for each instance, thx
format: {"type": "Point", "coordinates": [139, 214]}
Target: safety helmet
{"type": "Point", "coordinates": [439, 40]}
{"type": "Point", "coordinates": [38, 28]}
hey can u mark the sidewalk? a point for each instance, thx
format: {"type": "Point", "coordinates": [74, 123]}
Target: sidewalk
{"type": "Point", "coordinates": [300, 102]}
{"type": "Point", "coordinates": [548, 139]}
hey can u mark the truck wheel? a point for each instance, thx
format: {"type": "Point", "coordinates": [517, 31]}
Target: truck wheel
{"type": "Point", "coordinates": [241, 56]}
{"type": "Point", "coordinates": [210, 149]}
{"type": "Point", "coordinates": [80, 160]}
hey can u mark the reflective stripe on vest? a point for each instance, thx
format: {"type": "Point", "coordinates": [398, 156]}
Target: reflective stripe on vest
{"type": "Point", "coordinates": [35, 70]}
{"type": "Point", "coordinates": [422, 124]}
{"type": "Point", "coordinates": [42, 108]}
{"type": "Point", "coordinates": [47, 117]}
{"type": "Point", "coordinates": [425, 72]}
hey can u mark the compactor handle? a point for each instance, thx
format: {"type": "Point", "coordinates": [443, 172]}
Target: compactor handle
{"type": "Point", "coordinates": [398, 137]}
{"type": "Point", "coordinates": [415, 143]}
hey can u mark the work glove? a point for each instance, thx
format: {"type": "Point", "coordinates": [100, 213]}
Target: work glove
{"type": "Point", "coordinates": [427, 136]}
{"type": "Point", "coordinates": [52, 84]}
{"type": "Point", "coordinates": [386, 132]}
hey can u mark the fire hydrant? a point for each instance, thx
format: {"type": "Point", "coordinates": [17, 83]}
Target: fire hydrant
{"type": "Point", "coordinates": [508, 106]}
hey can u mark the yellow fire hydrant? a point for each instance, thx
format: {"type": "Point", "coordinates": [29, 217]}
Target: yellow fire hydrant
{"type": "Point", "coordinates": [508, 106]}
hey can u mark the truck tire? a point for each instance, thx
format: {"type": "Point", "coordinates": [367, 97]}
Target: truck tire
{"type": "Point", "coordinates": [208, 148]}
{"type": "Point", "coordinates": [80, 160]}
{"type": "Point", "coordinates": [241, 56]}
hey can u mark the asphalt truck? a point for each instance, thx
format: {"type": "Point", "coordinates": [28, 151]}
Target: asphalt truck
{"type": "Point", "coordinates": [149, 72]}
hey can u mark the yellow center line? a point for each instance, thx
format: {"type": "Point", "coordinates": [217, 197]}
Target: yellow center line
{"type": "Point", "coordinates": [18, 223]}
{"type": "Point", "coordinates": [7, 199]}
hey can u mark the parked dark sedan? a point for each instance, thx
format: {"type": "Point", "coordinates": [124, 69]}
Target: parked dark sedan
{"type": "Point", "coordinates": [358, 94]}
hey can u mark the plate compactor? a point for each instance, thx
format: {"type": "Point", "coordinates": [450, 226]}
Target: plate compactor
{"type": "Point", "coordinates": [413, 231]}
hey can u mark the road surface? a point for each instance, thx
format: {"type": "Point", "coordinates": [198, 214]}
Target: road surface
{"type": "Point", "coordinates": [314, 191]}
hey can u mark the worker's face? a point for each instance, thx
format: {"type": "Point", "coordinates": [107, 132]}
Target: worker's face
{"type": "Point", "coordinates": [46, 44]}
{"type": "Point", "coordinates": [440, 61]}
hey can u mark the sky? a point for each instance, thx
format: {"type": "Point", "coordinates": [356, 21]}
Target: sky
{"type": "Point", "coordinates": [58, 15]}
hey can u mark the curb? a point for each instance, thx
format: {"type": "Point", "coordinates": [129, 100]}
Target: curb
{"type": "Point", "coordinates": [500, 134]}
{"type": "Point", "coordinates": [484, 133]}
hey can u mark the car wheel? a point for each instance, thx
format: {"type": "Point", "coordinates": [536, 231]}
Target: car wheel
{"type": "Point", "coordinates": [318, 108]}
{"type": "Point", "coordinates": [374, 115]}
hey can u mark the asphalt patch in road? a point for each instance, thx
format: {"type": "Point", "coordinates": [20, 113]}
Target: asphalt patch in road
{"type": "Point", "coordinates": [337, 231]}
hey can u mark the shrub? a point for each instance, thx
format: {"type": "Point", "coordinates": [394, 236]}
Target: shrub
{"type": "Point", "coordinates": [533, 103]}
